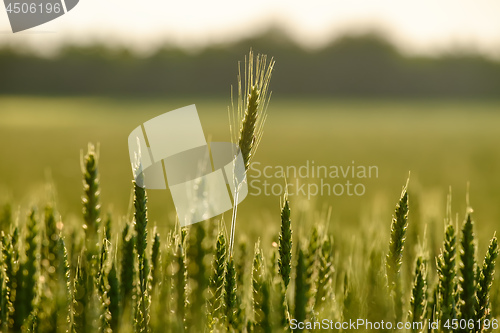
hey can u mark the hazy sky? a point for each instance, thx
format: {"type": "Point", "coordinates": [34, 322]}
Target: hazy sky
{"type": "Point", "coordinates": [423, 26]}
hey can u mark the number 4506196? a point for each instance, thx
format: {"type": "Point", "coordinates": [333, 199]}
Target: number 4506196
{"type": "Point", "coordinates": [33, 8]}
{"type": "Point", "coordinates": [486, 324]}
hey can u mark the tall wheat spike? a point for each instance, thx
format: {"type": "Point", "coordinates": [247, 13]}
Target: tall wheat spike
{"type": "Point", "coordinates": [103, 288]}
{"type": "Point", "coordinates": [447, 275]}
{"type": "Point", "coordinates": [301, 287]}
{"type": "Point", "coordinates": [312, 256]}
{"type": "Point", "coordinates": [19, 303]}
{"type": "Point", "coordinates": [181, 288]}
{"type": "Point", "coordinates": [485, 280]}
{"type": "Point", "coordinates": [495, 300]}
{"type": "Point", "coordinates": [418, 302]}
{"type": "Point", "coordinates": [92, 217]}
{"type": "Point", "coordinates": [155, 261]}
{"type": "Point", "coordinates": [196, 271]}
{"type": "Point", "coordinates": [80, 299]}
{"type": "Point", "coordinates": [62, 311]}
{"type": "Point", "coordinates": [395, 257]}
{"type": "Point", "coordinates": [352, 303]}
{"type": "Point", "coordinates": [127, 272]}
{"type": "Point", "coordinates": [114, 298]}
{"type": "Point", "coordinates": [31, 266]}
{"type": "Point", "coordinates": [9, 267]}
{"type": "Point", "coordinates": [324, 293]}
{"type": "Point", "coordinates": [4, 300]}
{"type": "Point", "coordinates": [280, 305]}
{"type": "Point", "coordinates": [467, 280]}
{"type": "Point", "coordinates": [140, 226]}
{"type": "Point", "coordinates": [260, 292]}
{"type": "Point", "coordinates": [217, 280]}
{"type": "Point", "coordinates": [91, 199]}
{"type": "Point", "coordinates": [250, 114]}
{"type": "Point", "coordinates": [101, 272]}
{"type": "Point", "coordinates": [230, 296]}
{"type": "Point", "coordinates": [446, 266]}
{"type": "Point", "coordinates": [376, 291]}
{"type": "Point", "coordinates": [285, 244]}
{"type": "Point", "coordinates": [26, 275]}
{"type": "Point", "coordinates": [54, 304]}
{"type": "Point", "coordinates": [241, 266]}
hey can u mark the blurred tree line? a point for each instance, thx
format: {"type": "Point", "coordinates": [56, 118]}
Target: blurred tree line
{"type": "Point", "coordinates": [352, 66]}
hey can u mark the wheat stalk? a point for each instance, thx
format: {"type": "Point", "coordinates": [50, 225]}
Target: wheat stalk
{"type": "Point", "coordinates": [467, 280]}
{"type": "Point", "coordinates": [301, 286]}
{"type": "Point", "coordinates": [395, 257]}
{"type": "Point", "coordinates": [181, 288]}
{"type": "Point", "coordinates": [285, 244]}
{"type": "Point", "coordinates": [324, 291]}
{"type": "Point", "coordinates": [250, 112]}
{"type": "Point", "coordinates": [155, 261]}
{"type": "Point", "coordinates": [217, 280]}
{"type": "Point", "coordinates": [27, 274]}
{"type": "Point", "coordinates": [127, 273]}
{"type": "Point", "coordinates": [418, 302]}
{"type": "Point", "coordinates": [446, 266]}
{"type": "Point", "coordinates": [485, 280]}
{"type": "Point", "coordinates": [140, 226]}
{"type": "Point", "coordinates": [230, 296]}
{"type": "Point", "coordinates": [196, 271]}
{"type": "Point", "coordinates": [114, 298]}
{"type": "Point", "coordinates": [90, 201]}
{"type": "Point", "coordinates": [260, 292]}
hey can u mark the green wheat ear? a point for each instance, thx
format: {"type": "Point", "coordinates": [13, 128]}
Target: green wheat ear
{"type": "Point", "coordinates": [241, 265]}
{"type": "Point", "coordinates": [80, 301]}
{"type": "Point", "coordinates": [467, 280]}
{"type": "Point", "coordinates": [4, 302]}
{"type": "Point", "coordinates": [253, 97]}
{"type": "Point", "coordinates": [114, 298]}
{"type": "Point", "coordinates": [446, 267]}
{"type": "Point", "coordinates": [181, 288]}
{"type": "Point", "coordinates": [394, 259]}
{"type": "Point", "coordinates": [196, 271]}
{"type": "Point", "coordinates": [301, 286]}
{"type": "Point", "coordinates": [418, 302]}
{"type": "Point", "coordinates": [219, 271]}
{"type": "Point", "coordinates": [140, 226]}
{"type": "Point", "coordinates": [260, 292]}
{"type": "Point", "coordinates": [326, 270]}
{"type": "Point", "coordinates": [127, 273]}
{"type": "Point", "coordinates": [90, 201]}
{"type": "Point", "coordinates": [217, 281]}
{"type": "Point", "coordinates": [9, 269]}
{"type": "Point", "coordinates": [155, 260]}
{"type": "Point", "coordinates": [230, 296]}
{"type": "Point", "coordinates": [285, 244]}
{"type": "Point", "coordinates": [29, 268]}
{"type": "Point", "coordinates": [485, 280]}
{"type": "Point", "coordinates": [140, 219]}
{"type": "Point", "coordinates": [250, 114]}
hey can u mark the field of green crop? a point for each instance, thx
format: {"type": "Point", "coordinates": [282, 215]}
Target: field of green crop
{"type": "Point", "coordinates": [344, 261]}
{"type": "Point", "coordinates": [441, 143]}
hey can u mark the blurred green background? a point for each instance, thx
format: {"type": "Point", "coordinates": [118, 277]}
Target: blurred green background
{"type": "Point", "coordinates": [358, 99]}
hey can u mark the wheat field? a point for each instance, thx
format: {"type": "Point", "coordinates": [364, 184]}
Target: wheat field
{"type": "Point", "coordinates": [110, 256]}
